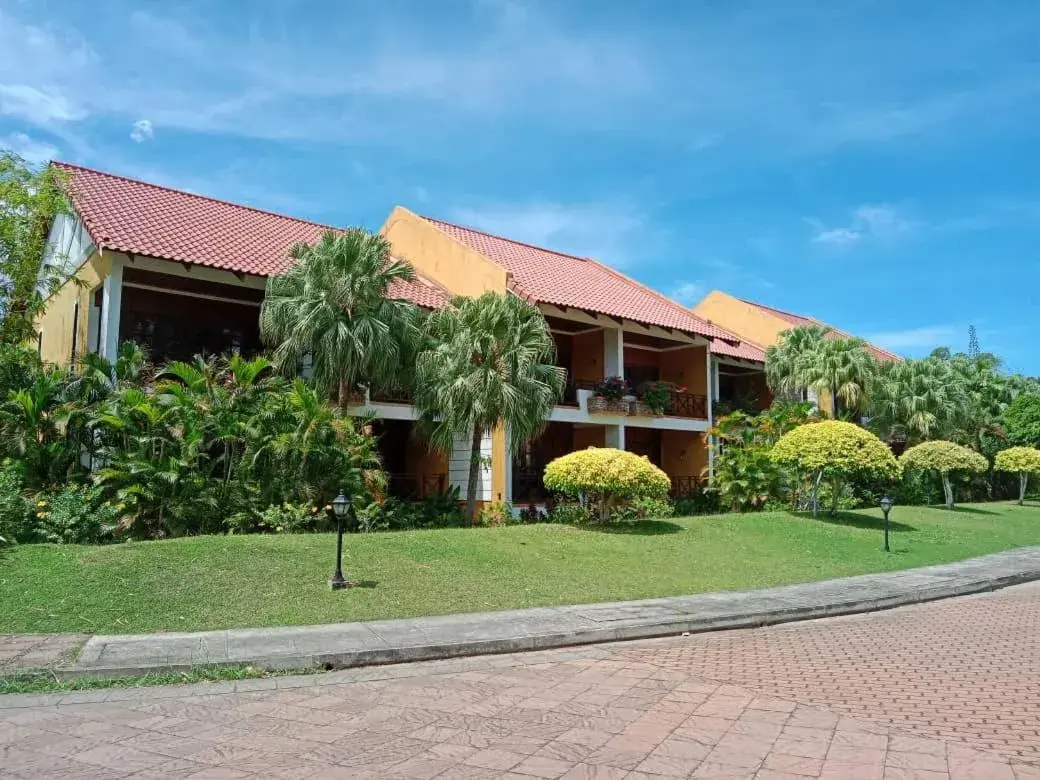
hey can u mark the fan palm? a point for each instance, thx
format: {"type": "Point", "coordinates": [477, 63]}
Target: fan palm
{"type": "Point", "coordinates": [786, 360]}
{"type": "Point", "coordinates": [805, 359]}
{"type": "Point", "coordinates": [491, 364]}
{"type": "Point", "coordinates": [333, 305]}
{"type": "Point", "coordinates": [918, 400]}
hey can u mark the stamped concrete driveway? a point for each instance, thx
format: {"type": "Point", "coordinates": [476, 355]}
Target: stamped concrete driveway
{"type": "Point", "coordinates": [944, 690]}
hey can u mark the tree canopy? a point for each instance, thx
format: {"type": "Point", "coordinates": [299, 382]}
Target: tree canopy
{"type": "Point", "coordinates": [606, 477]}
{"type": "Point", "coordinates": [944, 457]}
{"type": "Point", "coordinates": [1024, 461]}
{"type": "Point", "coordinates": [917, 400]}
{"type": "Point", "coordinates": [1022, 420]}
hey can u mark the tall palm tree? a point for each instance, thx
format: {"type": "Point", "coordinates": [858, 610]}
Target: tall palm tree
{"type": "Point", "coordinates": [491, 363]}
{"type": "Point", "coordinates": [333, 306]}
{"type": "Point", "coordinates": [917, 399]}
{"type": "Point", "coordinates": [786, 360]}
{"type": "Point", "coordinates": [806, 359]}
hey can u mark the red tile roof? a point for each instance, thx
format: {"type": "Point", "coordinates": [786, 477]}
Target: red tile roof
{"type": "Point", "coordinates": [745, 350]}
{"type": "Point", "coordinates": [546, 276]}
{"type": "Point", "coordinates": [797, 320]}
{"type": "Point", "coordinates": [126, 215]}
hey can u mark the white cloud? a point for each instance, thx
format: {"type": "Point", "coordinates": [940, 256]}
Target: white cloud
{"type": "Point", "coordinates": [688, 293]}
{"type": "Point", "coordinates": [869, 221]}
{"type": "Point", "coordinates": [923, 338]}
{"type": "Point", "coordinates": [609, 232]}
{"type": "Point", "coordinates": [32, 151]}
{"type": "Point", "coordinates": [142, 130]}
{"type": "Point", "coordinates": [37, 106]}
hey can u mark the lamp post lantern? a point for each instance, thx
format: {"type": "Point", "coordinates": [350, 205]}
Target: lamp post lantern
{"type": "Point", "coordinates": [340, 508]}
{"type": "Point", "coordinates": [886, 507]}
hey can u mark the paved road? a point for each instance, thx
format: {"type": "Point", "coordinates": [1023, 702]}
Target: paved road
{"type": "Point", "coordinates": [944, 690]}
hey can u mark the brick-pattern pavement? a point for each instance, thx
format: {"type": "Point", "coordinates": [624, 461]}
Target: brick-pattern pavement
{"type": "Point", "coordinates": [642, 712]}
{"type": "Point", "coordinates": [24, 652]}
{"type": "Point", "coordinates": [966, 669]}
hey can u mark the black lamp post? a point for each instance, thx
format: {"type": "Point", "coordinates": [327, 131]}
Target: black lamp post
{"type": "Point", "coordinates": [340, 508]}
{"type": "Point", "coordinates": [886, 507]}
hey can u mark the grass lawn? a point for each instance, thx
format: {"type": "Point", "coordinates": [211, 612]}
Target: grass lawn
{"type": "Point", "coordinates": [235, 581]}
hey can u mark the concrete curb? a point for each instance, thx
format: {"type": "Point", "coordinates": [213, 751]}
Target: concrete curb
{"type": "Point", "coordinates": [349, 645]}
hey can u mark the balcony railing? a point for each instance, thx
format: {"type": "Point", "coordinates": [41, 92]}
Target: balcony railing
{"type": "Point", "coordinates": [684, 487]}
{"type": "Point", "coordinates": [570, 392]}
{"type": "Point", "coordinates": [391, 396]}
{"type": "Point", "coordinates": [687, 405]}
{"type": "Point", "coordinates": [415, 486]}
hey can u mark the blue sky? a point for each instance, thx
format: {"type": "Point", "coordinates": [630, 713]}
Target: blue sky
{"type": "Point", "coordinates": [872, 163]}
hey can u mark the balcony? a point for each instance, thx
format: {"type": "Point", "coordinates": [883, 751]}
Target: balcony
{"type": "Point", "coordinates": [687, 405]}
{"type": "Point", "coordinates": [684, 487]}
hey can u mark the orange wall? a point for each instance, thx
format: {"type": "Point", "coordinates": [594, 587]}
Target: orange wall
{"type": "Point", "coordinates": [683, 453]}
{"type": "Point", "coordinates": [634, 356]}
{"type": "Point", "coordinates": [589, 436]}
{"type": "Point", "coordinates": [587, 356]}
{"type": "Point", "coordinates": [686, 367]}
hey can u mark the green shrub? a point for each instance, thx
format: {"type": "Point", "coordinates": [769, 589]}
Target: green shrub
{"type": "Point", "coordinates": [703, 502]}
{"type": "Point", "coordinates": [646, 508]}
{"type": "Point", "coordinates": [288, 519]}
{"type": "Point", "coordinates": [946, 458]}
{"type": "Point", "coordinates": [14, 509]}
{"type": "Point", "coordinates": [838, 452]}
{"type": "Point", "coordinates": [496, 513]}
{"type": "Point", "coordinates": [76, 515]}
{"type": "Point", "coordinates": [569, 513]}
{"type": "Point", "coordinates": [606, 478]}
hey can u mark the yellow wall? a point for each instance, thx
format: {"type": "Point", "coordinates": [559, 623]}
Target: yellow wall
{"type": "Point", "coordinates": [55, 324]}
{"type": "Point", "coordinates": [686, 367]}
{"type": "Point", "coordinates": [440, 257]}
{"type": "Point", "coordinates": [748, 322]}
{"type": "Point", "coordinates": [684, 454]}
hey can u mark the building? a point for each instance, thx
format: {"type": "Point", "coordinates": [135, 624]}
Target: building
{"type": "Point", "coordinates": [760, 326]}
{"type": "Point", "coordinates": [181, 273]}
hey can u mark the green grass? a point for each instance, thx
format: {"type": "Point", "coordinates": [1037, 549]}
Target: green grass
{"type": "Point", "coordinates": [236, 581]}
{"type": "Point", "coordinates": [44, 682]}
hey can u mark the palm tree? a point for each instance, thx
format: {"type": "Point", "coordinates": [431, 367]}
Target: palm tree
{"type": "Point", "coordinates": [917, 399]}
{"type": "Point", "coordinates": [333, 306]}
{"type": "Point", "coordinates": [491, 364]}
{"type": "Point", "coordinates": [786, 360]}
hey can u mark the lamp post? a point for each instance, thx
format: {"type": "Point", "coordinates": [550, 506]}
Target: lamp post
{"type": "Point", "coordinates": [340, 508]}
{"type": "Point", "coordinates": [886, 507]}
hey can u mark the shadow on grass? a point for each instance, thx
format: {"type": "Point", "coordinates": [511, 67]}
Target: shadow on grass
{"type": "Point", "coordinates": [967, 510]}
{"type": "Point", "coordinates": [636, 528]}
{"type": "Point", "coordinates": [854, 520]}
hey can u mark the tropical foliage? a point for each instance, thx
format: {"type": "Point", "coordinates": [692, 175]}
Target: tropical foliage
{"type": "Point", "coordinates": [606, 479]}
{"type": "Point", "coordinates": [490, 364]}
{"type": "Point", "coordinates": [916, 400]}
{"type": "Point", "coordinates": [838, 452]}
{"type": "Point", "coordinates": [746, 477]}
{"type": "Point", "coordinates": [1022, 420]}
{"type": "Point", "coordinates": [122, 450]}
{"type": "Point", "coordinates": [945, 458]}
{"type": "Point", "coordinates": [30, 198]}
{"type": "Point", "coordinates": [1023, 461]}
{"type": "Point", "coordinates": [805, 359]}
{"type": "Point", "coordinates": [331, 309]}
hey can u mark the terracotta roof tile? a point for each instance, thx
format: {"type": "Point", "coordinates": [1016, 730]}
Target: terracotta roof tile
{"type": "Point", "coordinates": [744, 350]}
{"type": "Point", "coordinates": [797, 320]}
{"type": "Point", "coordinates": [547, 276]}
{"type": "Point", "coordinates": [126, 215]}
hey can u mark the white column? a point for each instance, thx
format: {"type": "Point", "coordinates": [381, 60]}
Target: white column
{"type": "Point", "coordinates": [712, 384]}
{"type": "Point", "coordinates": [613, 352]}
{"type": "Point", "coordinates": [113, 303]}
{"type": "Point", "coordinates": [615, 436]}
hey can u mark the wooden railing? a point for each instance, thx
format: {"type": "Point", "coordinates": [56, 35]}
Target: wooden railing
{"type": "Point", "coordinates": [391, 396]}
{"type": "Point", "coordinates": [687, 405]}
{"type": "Point", "coordinates": [412, 486]}
{"type": "Point", "coordinates": [684, 487]}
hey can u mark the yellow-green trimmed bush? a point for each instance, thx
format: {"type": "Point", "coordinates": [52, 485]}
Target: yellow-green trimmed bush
{"type": "Point", "coordinates": [1019, 460]}
{"type": "Point", "coordinates": [944, 457]}
{"type": "Point", "coordinates": [836, 451]}
{"type": "Point", "coordinates": [606, 478]}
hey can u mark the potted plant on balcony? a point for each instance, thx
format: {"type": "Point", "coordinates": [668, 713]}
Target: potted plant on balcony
{"type": "Point", "coordinates": [653, 399]}
{"type": "Point", "coordinates": [609, 396]}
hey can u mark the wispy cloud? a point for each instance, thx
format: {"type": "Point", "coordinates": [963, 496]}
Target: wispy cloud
{"type": "Point", "coordinates": [688, 293]}
{"type": "Point", "coordinates": [919, 339]}
{"type": "Point", "coordinates": [610, 232]}
{"type": "Point", "coordinates": [32, 151]}
{"type": "Point", "coordinates": [141, 131]}
{"type": "Point", "coordinates": [880, 221]}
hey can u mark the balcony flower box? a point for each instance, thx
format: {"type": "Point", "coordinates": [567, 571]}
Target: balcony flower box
{"type": "Point", "coordinates": [640, 409]}
{"type": "Point", "coordinates": [597, 404]}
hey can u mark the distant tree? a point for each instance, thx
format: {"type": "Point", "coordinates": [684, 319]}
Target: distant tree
{"type": "Point", "coordinates": [973, 342]}
{"type": "Point", "coordinates": [945, 458]}
{"type": "Point", "coordinates": [917, 400]}
{"type": "Point", "coordinates": [30, 199]}
{"type": "Point", "coordinates": [1022, 420]}
{"type": "Point", "coordinates": [1023, 461]}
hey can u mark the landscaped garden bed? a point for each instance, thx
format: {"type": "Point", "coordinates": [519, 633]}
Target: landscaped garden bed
{"type": "Point", "coordinates": [210, 582]}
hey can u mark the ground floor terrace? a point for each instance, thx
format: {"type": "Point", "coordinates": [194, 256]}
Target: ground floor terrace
{"type": "Point", "coordinates": [681, 454]}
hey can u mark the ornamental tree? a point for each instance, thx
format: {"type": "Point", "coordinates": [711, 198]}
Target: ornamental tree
{"type": "Point", "coordinates": [836, 451]}
{"type": "Point", "coordinates": [1019, 460]}
{"type": "Point", "coordinates": [606, 478]}
{"type": "Point", "coordinates": [946, 458]}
